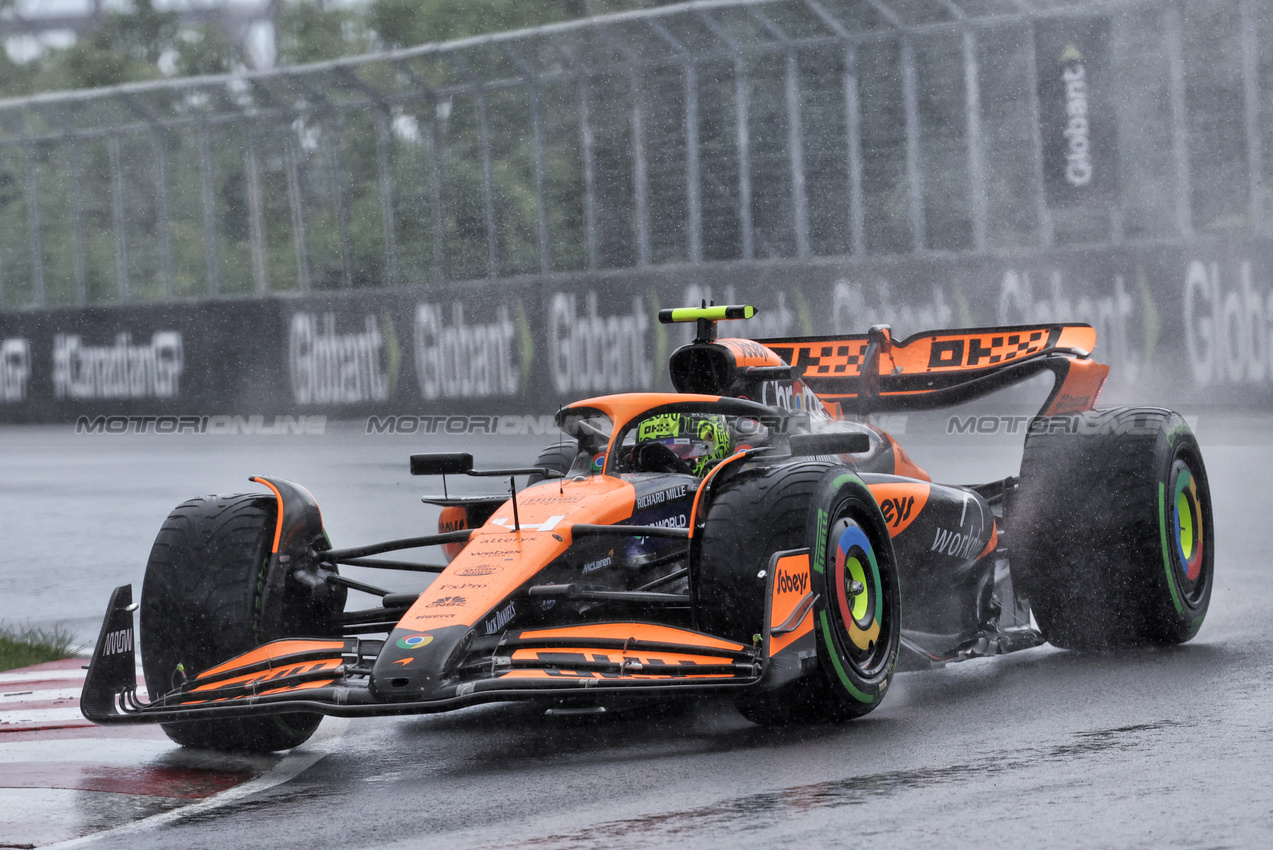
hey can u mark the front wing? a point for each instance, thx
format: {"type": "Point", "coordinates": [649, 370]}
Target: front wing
{"type": "Point", "coordinates": [587, 662]}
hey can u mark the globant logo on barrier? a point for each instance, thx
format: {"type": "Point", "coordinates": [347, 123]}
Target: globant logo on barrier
{"type": "Point", "coordinates": [1078, 145]}
{"type": "Point", "coordinates": [122, 370]}
{"type": "Point", "coordinates": [594, 353]}
{"type": "Point", "coordinates": [341, 368]}
{"type": "Point", "coordinates": [219, 425]}
{"type": "Point", "coordinates": [851, 312]}
{"type": "Point", "coordinates": [15, 369]}
{"type": "Point", "coordinates": [1227, 328]}
{"type": "Point", "coordinates": [1113, 314]}
{"type": "Point", "coordinates": [461, 360]}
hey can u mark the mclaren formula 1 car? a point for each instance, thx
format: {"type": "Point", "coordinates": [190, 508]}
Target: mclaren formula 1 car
{"type": "Point", "coordinates": [750, 534]}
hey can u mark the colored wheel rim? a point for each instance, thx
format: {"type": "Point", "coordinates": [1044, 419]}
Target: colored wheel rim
{"type": "Point", "coordinates": [859, 606]}
{"type": "Point", "coordinates": [1188, 531]}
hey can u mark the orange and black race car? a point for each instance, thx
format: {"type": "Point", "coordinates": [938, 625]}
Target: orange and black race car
{"type": "Point", "coordinates": [749, 534]}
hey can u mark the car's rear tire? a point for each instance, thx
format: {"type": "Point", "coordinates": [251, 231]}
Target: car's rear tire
{"type": "Point", "coordinates": [815, 505]}
{"type": "Point", "coordinates": [201, 605]}
{"type": "Point", "coordinates": [1110, 529]}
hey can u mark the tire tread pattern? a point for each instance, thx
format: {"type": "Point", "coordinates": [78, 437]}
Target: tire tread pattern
{"type": "Point", "coordinates": [1084, 531]}
{"type": "Point", "coordinates": [201, 605]}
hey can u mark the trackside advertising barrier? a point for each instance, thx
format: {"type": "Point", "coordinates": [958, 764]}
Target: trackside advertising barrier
{"type": "Point", "coordinates": [1178, 325]}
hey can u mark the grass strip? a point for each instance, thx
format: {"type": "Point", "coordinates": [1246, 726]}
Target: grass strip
{"type": "Point", "coordinates": [22, 648]}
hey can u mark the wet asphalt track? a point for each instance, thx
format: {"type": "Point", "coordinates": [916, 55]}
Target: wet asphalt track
{"type": "Point", "coordinates": [1039, 749]}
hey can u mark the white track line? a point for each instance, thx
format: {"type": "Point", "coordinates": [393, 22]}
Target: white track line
{"type": "Point", "coordinates": [69, 674]}
{"type": "Point", "coordinates": [13, 720]}
{"type": "Point", "coordinates": [107, 752]}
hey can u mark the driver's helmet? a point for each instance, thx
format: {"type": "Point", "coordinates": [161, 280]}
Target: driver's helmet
{"type": "Point", "coordinates": [698, 439]}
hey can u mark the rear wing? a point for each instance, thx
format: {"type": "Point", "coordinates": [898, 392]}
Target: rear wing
{"type": "Point", "coordinates": [871, 373]}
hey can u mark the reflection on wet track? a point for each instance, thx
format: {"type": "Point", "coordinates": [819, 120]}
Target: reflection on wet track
{"type": "Point", "coordinates": [1042, 748]}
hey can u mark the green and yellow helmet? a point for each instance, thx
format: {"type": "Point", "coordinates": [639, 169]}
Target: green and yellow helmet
{"type": "Point", "coordinates": [698, 439]}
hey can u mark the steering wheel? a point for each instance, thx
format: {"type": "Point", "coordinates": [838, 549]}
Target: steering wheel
{"type": "Point", "coordinates": [656, 457]}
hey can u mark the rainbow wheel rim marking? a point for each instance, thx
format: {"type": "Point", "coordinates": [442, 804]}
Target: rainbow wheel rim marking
{"type": "Point", "coordinates": [1187, 523]}
{"type": "Point", "coordinates": [860, 614]}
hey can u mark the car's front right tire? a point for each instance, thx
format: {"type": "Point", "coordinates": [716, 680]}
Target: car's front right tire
{"type": "Point", "coordinates": [827, 509]}
{"type": "Point", "coordinates": [201, 604]}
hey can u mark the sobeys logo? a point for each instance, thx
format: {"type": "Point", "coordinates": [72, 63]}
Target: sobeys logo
{"type": "Point", "coordinates": [331, 367]}
{"type": "Point", "coordinates": [1228, 325]}
{"type": "Point", "coordinates": [456, 359]}
{"type": "Point", "coordinates": [15, 369]}
{"type": "Point", "coordinates": [588, 352]}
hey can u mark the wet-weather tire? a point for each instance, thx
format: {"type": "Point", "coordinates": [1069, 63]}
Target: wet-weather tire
{"type": "Point", "coordinates": [1110, 529]}
{"type": "Point", "coordinates": [858, 604]}
{"type": "Point", "coordinates": [201, 605]}
{"type": "Point", "coordinates": [824, 507]}
{"type": "Point", "coordinates": [559, 457]}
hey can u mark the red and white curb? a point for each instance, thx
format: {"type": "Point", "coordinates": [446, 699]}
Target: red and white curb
{"type": "Point", "coordinates": [63, 778]}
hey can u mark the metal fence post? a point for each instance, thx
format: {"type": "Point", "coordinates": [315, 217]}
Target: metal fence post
{"type": "Point", "coordinates": [163, 210]}
{"type": "Point", "coordinates": [117, 213]}
{"type": "Point", "coordinates": [1043, 214]}
{"type": "Point", "coordinates": [388, 217]}
{"type": "Point", "coordinates": [537, 156]}
{"type": "Point", "coordinates": [693, 175]}
{"type": "Point", "coordinates": [296, 205]}
{"type": "Point", "coordinates": [337, 175]}
{"type": "Point", "coordinates": [976, 142]}
{"type": "Point", "coordinates": [588, 141]}
{"type": "Point", "coordinates": [441, 267]}
{"type": "Point", "coordinates": [1179, 128]}
{"type": "Point", "coordinates": [795, 141]}
{"type": "Point", "coordinates": [78, 258]}
{"type": "Point", "coordinates": [853, 133]}
{"type": "Point", "coordinates": [34, 230]}
{"type": "Point", "coordinates": [640, 170]}
{"type": "Point", "coordinates": [488, 188]}
{"type": "Point", "coordinates": [742, 110]}
{"type": "Point", "coordinates": [208, 196]}
{"type": "Point", "coordinates": [914, 180]}
{"type": "Point", "coordinates": [256, 230]}
{"type": "Point", "coordinates": [1251, 102]}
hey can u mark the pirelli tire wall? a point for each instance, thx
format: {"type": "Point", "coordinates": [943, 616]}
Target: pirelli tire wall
{"type": "Point", "coordinates": [1179, 325]}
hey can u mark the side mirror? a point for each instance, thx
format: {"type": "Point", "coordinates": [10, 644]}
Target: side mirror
{"type": "Point", "coordinates": [835, 443]}
{"type": "Point", "coordinates": [442, 463]}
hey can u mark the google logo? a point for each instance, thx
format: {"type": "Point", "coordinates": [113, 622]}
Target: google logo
{"type": "Point", "coordinates": [414, 641]}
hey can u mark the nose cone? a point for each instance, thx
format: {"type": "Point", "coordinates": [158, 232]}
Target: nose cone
{"type": "Point", "coordinates": [416, 665]}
